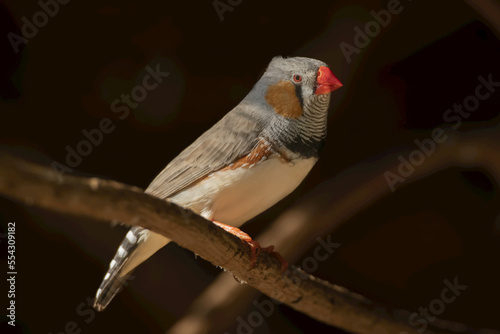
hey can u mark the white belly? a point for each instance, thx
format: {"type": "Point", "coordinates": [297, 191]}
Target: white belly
{"type": "Point", "coordinates": [236, 196]}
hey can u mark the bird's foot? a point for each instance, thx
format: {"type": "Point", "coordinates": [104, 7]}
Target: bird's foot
{"type": "Point", "coordinates": [254, 245]}
{"type": "Point", "coordinates": [255, 248]}
{"type": "Point", "coordinates": [276, 255]}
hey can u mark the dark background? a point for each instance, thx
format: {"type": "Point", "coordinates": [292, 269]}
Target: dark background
{"type": "Point", "coordinates": [396, 90]}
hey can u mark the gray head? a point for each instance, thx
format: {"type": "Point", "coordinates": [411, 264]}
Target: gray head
{"type": "Point", "coordinates": [294, 94]}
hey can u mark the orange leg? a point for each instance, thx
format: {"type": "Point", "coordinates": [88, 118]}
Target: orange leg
{"type": "Point", "coordinates": [254, 245]}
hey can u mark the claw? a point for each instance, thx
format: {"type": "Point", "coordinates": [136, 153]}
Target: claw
{"type": "Point", "coordinates": [254, 245]}
{"type": "Point", "coordinates": [276, 255]}
{"type": "Point", "coordinates": [255, 248]}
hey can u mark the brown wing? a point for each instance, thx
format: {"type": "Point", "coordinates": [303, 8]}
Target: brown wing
{"type": "Point", "coordinates": [234, 136]}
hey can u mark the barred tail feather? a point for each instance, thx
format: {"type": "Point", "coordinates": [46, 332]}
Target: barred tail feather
{"type": "Point", "coordinates": [138, 245]}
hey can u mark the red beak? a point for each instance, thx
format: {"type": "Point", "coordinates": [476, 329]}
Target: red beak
{"type": "Point", "coordinates": [327, 81]}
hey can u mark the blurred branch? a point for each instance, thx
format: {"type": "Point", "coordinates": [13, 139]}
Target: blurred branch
{"type": "Point", "coordinates": [327, 208]}
{"type": "Point", "coordinates": [490, 10]}
{"type": "Point", "coordinates": [103, 200]}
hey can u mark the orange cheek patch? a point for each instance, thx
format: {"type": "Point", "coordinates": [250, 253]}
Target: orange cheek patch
{"type": "Point", "coordinates": [281, 96]}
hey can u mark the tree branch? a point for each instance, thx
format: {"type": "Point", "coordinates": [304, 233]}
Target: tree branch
{"type": "Point", "coordinates": [104, 200]}
{"type": "Point", "coordinates": [326, 208]}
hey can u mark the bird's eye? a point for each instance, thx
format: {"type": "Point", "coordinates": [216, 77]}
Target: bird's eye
{"type": "Point", "coordinates": [297, 78]}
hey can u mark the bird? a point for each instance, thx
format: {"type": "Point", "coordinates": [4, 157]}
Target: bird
{"type": "Point", "coordinates": [253, 157]}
